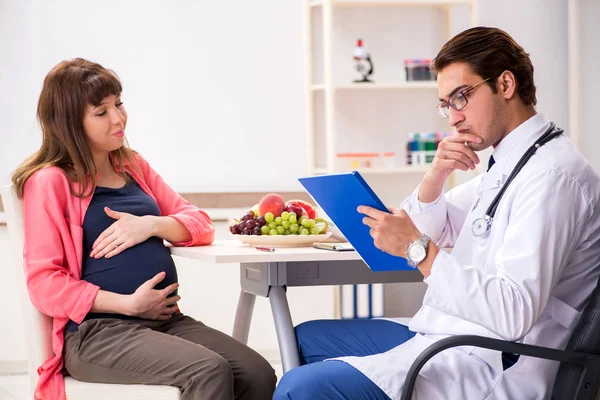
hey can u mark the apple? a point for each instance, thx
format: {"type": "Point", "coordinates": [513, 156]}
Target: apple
{"type": "Point", "coordinates": [272, 203]}
{"type": "Point", "coordinates": [296, 209]}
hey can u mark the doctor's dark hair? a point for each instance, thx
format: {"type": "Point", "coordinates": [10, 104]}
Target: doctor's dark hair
{"type": "Point", "coordinates": [489, 52]}
{"type": "Point", "coordinates": [68, 89]}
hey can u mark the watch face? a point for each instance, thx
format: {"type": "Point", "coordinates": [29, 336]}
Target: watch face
{"type": "Point", "coordinates": [416, 253]}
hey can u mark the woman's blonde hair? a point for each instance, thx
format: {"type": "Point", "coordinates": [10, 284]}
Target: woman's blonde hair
{"type": "Point", "coordinates": [68, 88]}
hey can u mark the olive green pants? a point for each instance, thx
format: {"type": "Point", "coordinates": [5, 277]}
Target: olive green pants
{"type": "Point", "coordinates": [202, 362]}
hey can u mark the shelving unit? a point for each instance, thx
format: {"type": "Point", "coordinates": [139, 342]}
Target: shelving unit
{"type": "Point", "coordinates": [379, 86]}
{"type": "Point", "coordinates": [418, 169]}
{"type": "Point", "coordinates": [347, 117]}
{"type": "Point", "coordinates": [326, 91]}
{"type": "Point", "coordinates": [389, 3]}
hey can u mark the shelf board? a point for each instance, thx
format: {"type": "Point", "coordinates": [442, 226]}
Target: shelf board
{"type": "Point", "coordinates": [397, 3]}
{"type": "Point", "coordinates": [418, 169]}
{"type": "Point", "coordinates": [388, 86]}
{"type": "Point", "coordinates": [378, 86]}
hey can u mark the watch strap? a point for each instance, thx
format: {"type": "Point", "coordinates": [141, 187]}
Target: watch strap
{"type": "Point", "coordinates": [423, 241]}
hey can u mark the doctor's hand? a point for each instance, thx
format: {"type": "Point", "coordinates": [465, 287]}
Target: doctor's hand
{"type": "Point", "coordinates": [149, 303]}
{"type": "Point", "coordinates": [453, 153]}
{"type": "Point", "coordinates": [127, 231]}
{"type": "Point", "coordinates": [392, 232]}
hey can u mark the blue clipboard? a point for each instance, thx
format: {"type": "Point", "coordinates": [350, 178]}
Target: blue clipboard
{"type": "Point", "coordinates": [339, 195]}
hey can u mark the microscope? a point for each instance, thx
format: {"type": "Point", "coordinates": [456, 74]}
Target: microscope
{"type": "Point", "coordinates": [364, 65]}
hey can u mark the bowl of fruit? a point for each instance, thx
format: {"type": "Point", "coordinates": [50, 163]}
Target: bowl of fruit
{"type": "Point", "coordinates": [276, 223]}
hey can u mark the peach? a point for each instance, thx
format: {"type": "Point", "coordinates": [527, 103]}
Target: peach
{"type": "Point", "coordinates": [272, 203]}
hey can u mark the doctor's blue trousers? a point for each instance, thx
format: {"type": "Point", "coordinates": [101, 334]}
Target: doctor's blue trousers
{"type": "Point", "coordinates": [337, 380]}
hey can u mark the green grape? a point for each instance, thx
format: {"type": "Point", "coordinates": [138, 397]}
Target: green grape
{"type": "Point", "coordinates": [293, 214]}
{"type": "Point", "coordinates": [280, 230]}
{"type": "Point", "coordinates": [287, 232]}
{"type": "Point", "coordinates": [278, 220]}
{"type": "Point", "coordinates": [269, 217]}
{"type": "Point", "coordinates": [294, 228]}
{"type": "Point", "coordinates": [272, 225]}
{"type": "Point", "coordinates": [286, 224]}
{"type": "Point", "coordinates": [305, 222]}
{"type": "Point", "coordinates": [321, 224]}
{"type": "Point", "coordinates": [292, 218]}
{"type": "Point", "coordinates": [285, 215]}
{"type": "Point", "coordinates": [302, 218]}
{"type": "Point", "coordinates": [273, 232]}
{"type": "Point", "coordinates": [304, 231]}
{"type": "Point", "coordinates": [314, 231]}
{"type": "Point", "coordinates": [311, 223]}
{"type": "Point", "coordinates": [265, 229]}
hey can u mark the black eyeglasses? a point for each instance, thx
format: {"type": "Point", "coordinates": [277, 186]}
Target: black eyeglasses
{"type": "Point", "coordinates": [457, 101]}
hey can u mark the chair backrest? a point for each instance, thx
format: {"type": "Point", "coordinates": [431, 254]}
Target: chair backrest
{"type": "Point", "coordinates": [585, 338]}
{"type": "Point", "coordinates": [38, 326]}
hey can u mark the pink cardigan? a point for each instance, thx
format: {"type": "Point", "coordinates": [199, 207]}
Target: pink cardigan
{"type": "Point", "coordinates": [53, 252]}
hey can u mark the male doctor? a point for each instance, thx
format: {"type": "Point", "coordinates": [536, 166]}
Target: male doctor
{"type": "Point", "coordinates": [525, 276]}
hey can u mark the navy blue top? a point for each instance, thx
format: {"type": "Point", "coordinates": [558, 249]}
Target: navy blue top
{"type": "Point", "coordinates": [125, 272]}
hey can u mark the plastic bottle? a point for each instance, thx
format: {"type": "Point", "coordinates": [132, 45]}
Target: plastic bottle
{"type": "Point", "coordinates": [430, 147]}
{"type": "Point", "coordinates": [409, 148]}
{"type": "Point", "coordinates": [418, 155]}
{"type": "Point", "coordinates": [410, 70]}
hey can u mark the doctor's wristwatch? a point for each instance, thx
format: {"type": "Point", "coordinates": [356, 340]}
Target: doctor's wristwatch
{"type": "Point", "coordinates": [417, 251]}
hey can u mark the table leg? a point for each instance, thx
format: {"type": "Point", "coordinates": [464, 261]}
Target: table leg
{"type": "Point", "coordinates": [284, 327]}
{"type": "Point", "coordinates": [243, 317]}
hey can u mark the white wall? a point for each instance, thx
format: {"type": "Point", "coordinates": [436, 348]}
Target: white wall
{"type": "Point", "coordinates": [540, 26]}
{"type": "Point", "coordinates": [213, 89]}
{"type": "Point", "coordinates": [589, 79]}
{"type": "Point", "coordinates": [12, 350]}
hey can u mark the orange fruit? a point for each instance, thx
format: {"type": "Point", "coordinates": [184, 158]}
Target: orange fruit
{"type": "Point", "coordinates": [311, 212]}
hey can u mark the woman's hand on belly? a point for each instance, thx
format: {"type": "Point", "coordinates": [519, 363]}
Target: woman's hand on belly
{"type": "Point", "coordinates": [127, 231]}
{"type": "Point", "coordinates": [149, 303]}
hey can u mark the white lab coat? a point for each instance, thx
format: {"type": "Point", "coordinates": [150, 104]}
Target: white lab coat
{"type": "Point", "coordinates": [528, 280]}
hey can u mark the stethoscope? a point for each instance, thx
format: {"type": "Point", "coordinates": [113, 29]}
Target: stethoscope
{"type": "Point", "coordinates": [482, 225]}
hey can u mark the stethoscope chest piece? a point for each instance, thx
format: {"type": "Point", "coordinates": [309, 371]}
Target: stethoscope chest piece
{"type": "Point", "coordinates": [481, 226]}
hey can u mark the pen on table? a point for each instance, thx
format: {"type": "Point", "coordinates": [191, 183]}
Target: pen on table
{"type": "Point", "coordinates": [269, 249]}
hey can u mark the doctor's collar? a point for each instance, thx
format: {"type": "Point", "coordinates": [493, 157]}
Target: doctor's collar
{"type": "Point", "coordinates": [520, 137]}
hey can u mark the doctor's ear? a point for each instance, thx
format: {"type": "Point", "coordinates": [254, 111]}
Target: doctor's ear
{"type": "Point", "coordinates": [506, 84]}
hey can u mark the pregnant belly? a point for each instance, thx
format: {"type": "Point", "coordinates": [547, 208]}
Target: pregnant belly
{"type": "Point", "coordinates": [127, 271]}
